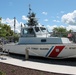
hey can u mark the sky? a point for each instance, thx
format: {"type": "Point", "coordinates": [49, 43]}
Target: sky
{"type": "Point", "coordinates": [50, 13]}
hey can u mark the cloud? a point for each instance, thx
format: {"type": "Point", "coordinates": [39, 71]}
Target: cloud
{"type": "Point", "coordinates": [24, 18]}
{"type": "Point", "coordinates": [45, 13]}
{"type": "Point", "coordinates": [39, 24]}
{"type": "Point", "coordinates": [10, 22]}
{"type": "Point", "coordinates": [69, 18]}
{"type": "Point", "coordinates": [46, 20]}
{"type": "Point", "coordinates": [56, 21]}
{"type": "Point", "coordinates": [50, 28]}
{"type": "Point", "coordinates": [71, 27]}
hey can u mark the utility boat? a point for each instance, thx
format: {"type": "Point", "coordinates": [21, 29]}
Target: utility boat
{"type": "Point", "coordinates": [39, 43]}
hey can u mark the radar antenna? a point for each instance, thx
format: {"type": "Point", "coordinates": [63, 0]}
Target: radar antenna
{"type": "Point", "coordinates": [29, 9]}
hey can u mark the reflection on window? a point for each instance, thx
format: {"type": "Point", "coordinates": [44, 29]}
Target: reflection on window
{"type": "Point", "coordinates": [37, 29]}
{"type": "Point", "coordinates": [43, 29]}
{"type": "Point", "coordinates": [28, 31]}
{"type": "Point", "coordinates": [25, 31]}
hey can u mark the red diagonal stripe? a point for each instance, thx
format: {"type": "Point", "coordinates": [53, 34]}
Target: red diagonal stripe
{"type": "Point", "coordinates": [55, 52]}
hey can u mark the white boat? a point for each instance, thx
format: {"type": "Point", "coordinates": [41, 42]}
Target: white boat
{"type": "Point", "coordinates": [39, 43]}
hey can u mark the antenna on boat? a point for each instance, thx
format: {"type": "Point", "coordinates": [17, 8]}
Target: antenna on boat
{"type": "Point", "coordinates": [29, 9]}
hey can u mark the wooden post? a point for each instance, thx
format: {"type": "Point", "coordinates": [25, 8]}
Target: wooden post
{"type": "Point", "coordinates": [26, 54]}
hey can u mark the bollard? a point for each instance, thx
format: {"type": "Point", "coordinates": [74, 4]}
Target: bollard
{"type": "Point", "coordinates": [8, 52]}
{"type": "Point", "coordinates": [26, 54]}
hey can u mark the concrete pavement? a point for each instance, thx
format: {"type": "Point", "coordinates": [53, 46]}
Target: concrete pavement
{"type": "Point", "coordinates": [39, 66]}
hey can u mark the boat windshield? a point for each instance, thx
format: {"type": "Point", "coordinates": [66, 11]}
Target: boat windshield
{"type": "Point", "coordinates": [37, 29]}
{"type": "Point", "coordinates": [25, 31]}
{"type": "Point", "coordinates": [28, 32]}
{"type": "Point", "coordinates": [43, 29]}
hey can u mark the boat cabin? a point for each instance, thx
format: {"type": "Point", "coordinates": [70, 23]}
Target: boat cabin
{"type": "Point", "coordinates": [34, 31]}
{"type": "Point", "coordinates": [39, 35]}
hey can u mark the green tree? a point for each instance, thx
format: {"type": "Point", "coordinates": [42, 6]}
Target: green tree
{"type": "Point", "coordinates": [70, 31]}
{"type": "Point", "coordinates": [2, 31]}
{"type": "Point", "coordinates": [32, 21]}
{"type": "Point", "coordinates": [60, 31]}
{"type": "Point", "coordinates": [5, 30]}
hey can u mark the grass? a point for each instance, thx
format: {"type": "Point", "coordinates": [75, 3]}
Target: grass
{"type": "Point", "coordinates": [2, 73]}
{"type": "Point", "coordinates": [13, 71]}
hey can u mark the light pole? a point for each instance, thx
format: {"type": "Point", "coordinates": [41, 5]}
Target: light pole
{"type": "Point", "coordinates": [14, 27]}
{"type": "Point", "coordinates": [0, 19]}
{"type": "Point", "coordinates": [0, 31]}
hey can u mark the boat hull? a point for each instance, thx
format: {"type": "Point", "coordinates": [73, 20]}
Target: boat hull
{"type": "Point", "coordinates": [44, 50]}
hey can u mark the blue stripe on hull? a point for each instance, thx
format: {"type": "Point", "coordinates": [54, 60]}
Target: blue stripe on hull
{"type": "Point", "coordinates": [49, 51]}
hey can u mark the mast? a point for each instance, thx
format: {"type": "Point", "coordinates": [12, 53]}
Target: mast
{"type": "Point", "coordinates": [31, 18]}
{"type": "Point", "coordinates": [29, 9]}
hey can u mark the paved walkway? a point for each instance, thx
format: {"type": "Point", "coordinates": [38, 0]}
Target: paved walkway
{"type": "Point", "coordinates": [40, 66]}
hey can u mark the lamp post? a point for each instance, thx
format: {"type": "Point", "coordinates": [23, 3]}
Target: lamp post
{"type": "Point", "coordinates": [14, 27]}
{"type": "Point", "coordinates": [0, 31]}
{"type": "Point", "coordinates": [0, 19]}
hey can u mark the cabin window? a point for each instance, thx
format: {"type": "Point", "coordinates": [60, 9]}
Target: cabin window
{"type": "Point", "coordinates": [37, 29]}
{"type": "Point", "coordinates": [29, 32]}
{"type": "Point", "coordinates": [25, 31]}
{"type": "Point", "coordinates": [43, 29]}
{"type": "Point", "coordinates": [43, 40]}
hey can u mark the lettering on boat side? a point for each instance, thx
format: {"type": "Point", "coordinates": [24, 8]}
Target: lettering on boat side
{"type": "Point", "coordinates": [44, 48]}
{"type": "Point", "coordinates": [28, 48]}
{"type": "Point", "coordinates": [39, 48]}
{"type": "Point", "coordinates": [34, 48]}
{"type": "Point", "coordinates": [72, 47]}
